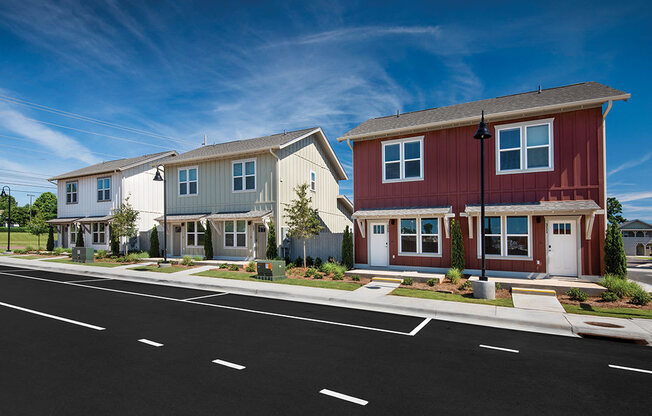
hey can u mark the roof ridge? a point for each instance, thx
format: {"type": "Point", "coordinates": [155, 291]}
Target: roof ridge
{"type": "Point", "coordinates": [264, 137]}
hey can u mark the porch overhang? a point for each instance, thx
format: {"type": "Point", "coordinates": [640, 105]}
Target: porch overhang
{"type": "Point", "coordinates": [179, 218]}
{"type": "Point", "coordinates": [102, 218]}
{"type": "Point", "coordinates": [263, 215]}
{"type": "Point", "coordinates": [445, 212]}
{"type": "Point", "coordinates": [63, 221]}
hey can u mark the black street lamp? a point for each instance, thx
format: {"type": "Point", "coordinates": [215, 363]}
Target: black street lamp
{"type": "Point", "coordinates": [158, 178]}
{"type": "Point", "coordinates": [482, 134]}
{"type": "Point", "coordinates": [9, 217]}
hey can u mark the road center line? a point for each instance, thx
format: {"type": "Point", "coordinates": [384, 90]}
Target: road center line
{"type": "Point", "coordinates": [152, 343]}
{"type": "Point", "coordinates": [342, 396]}
{"type": "Point", "coordinates": [89, 280]}
{"type": "Point", "coordinates": [58, 318]}
{"type": "Point", "coordinates": [420, 326]}
{"type": "Point", "coordinates": [499, 348]}
{"type": "Point", "coordinates": [230, 365]}
{"type": "Point", "coordinates": [207, 296]}
{"type": "Point", "coordinates": [638, 370]}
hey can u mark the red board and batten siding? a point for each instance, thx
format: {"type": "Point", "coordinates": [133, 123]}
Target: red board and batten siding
{"type": "Point", "coordinates": [452, 177]}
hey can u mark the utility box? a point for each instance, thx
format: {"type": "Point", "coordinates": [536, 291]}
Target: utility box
{"type": "Point", "coordinates": [83, 254]}
{"type": "Point", "coordinates": [271, 269]}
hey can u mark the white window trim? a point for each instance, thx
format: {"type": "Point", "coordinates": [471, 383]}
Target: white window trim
{"type": "Point", "coordinates": [195, 233]}
{"type": "Point", "coordinates": [98, 233]}
{"type": "Point", "coordinates": [313, 184]}
{"type": "Point", "coordinates": [73, 234]}
{"type": "Point", "coordinates": [187, 169]}
{"type": "Point", "coordinates": [235, 235]}
{"type": "Point", "coordinates": [76, 192]}
{"type": "Point", "coordinates": [104, 189]}
{"type": "Point", "coordinates": [523, 146]}
{"type": "Point", "coordinates": [244, 175]}
{"type": "Point", "coordinates": [419, 252]}
{"type": "Point", "coordinates": [401, 159]}
{"type": "Point", "coordinates": [503, 239]}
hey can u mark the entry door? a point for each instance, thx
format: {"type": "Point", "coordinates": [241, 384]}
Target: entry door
{"type": "Point", "coordinates": [261, 241]}
{"type": "Point", "coordinates": [176, 242]}
{"type": "Point", "coordinates": [562, 248]}
{"type": "Point", "coordinates": [378, 244]}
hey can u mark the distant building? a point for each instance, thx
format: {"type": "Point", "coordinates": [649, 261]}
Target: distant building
{"type": "Point", "coordinates": [637, 238]}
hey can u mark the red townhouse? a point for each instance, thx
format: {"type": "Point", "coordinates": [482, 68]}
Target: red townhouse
{"type": "Point", "coordinates": [545, 184]}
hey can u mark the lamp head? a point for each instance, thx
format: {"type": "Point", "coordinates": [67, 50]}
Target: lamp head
{"type": "Point", "coordinates": [483, 131]}
{"type": "Point", "coordinates": [158, 177]}
{"type": "Point", "coordinates": [3, 194]}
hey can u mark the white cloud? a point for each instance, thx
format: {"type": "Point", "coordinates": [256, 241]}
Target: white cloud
{"type": "Point", "coordinates": [634, 196]}
{"type": "Point", "coordinates": [631, 163]}
{"type": "Point", "coordinates": [637, 208]}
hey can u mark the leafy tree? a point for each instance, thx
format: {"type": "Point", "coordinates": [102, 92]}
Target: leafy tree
{"type": "Point", "coordinates": [272, 250]}
{"type": "Point", "coordinates": [46, 204]}
{"type": "Point", "coordinates": [50, 244]}
{"type": "Point", "coordinates": [124, 222]}
{"type": "Point", "coordinates": [154, 247]}
{"type": "Point", "coordinates": [347, 248]}
{"type": "Point", "coordinates": [303, 220]}
{"type": "Point", "coordinates": [614, 209]}
{"type": "Point", "coordinates": [115, 243]}
{"type": "Point", "coordinates": [80, 236]}
{"type": "Point", "coordinates": [615, 261]}
{"type": "Point", "coordinates": [37, 227]}
{"type": "Point", "coordinates": [458, 259]}
{"type": "Point", "coordinates": [20, 215]}
{"type": "Point", "coordinates": [208, 241]}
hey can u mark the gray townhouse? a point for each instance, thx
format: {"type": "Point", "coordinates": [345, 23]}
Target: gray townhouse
{"type": "Point", "coordinates": [238, 187]}
{"type": "Point", "coordinates": [637, 238]}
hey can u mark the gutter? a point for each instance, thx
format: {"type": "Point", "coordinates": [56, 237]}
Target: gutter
{"type": "Point", "coordinates": [604, 158]}
{"type": "Point", "coordinates": [278, 198]}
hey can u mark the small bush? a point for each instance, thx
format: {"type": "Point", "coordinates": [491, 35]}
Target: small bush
{"type": "Point", "coordinates": [609, 296]}
{"type": "Point", "coordinates": [187, 261]}
{"type": "Point", "coordinates": [58, 251]}
{"type": "Point", "coordinates": [355, 278]}
{"type": "Point", "coordinates": [465, 286]}
{"type": "Point", "coordinates": [29, 248]}
{"type": "Point", "coordinates": [234, 267]}
{"type": "Point", "coordinates": [311, 272]}
{"type": "Point", "coordinates": [197, 258]}
{"type": "Point", "coordinates": [318, 262]}
{"type": "Point", "coordinates": [454, 275]}
{"type": "Point", "coordinates": [318, 276]}
{"type": "Point", "coordinates": [289, 266]}
{"type": "Point", "coordinates": [432, 282]}
{"type": "Point", "coordinates": [67, 250]}
{"type": "Point", "coordinates": [577, 294]}
{"type": "Point", "coordinates": [223, 266]}
{"type": "Point", "coordinates": [20, 251]}
{"type": "Point", "coordinates": [101, 254]}
{"type": "Point", "coordinates": [640, 297]}
{"type": "Point", "coordinates": [332, 268]}
{"type": "Point", "coordinates": [408, 281]}
{"type": "Point", "coordinates": [252, 266]}
{"type": "Point", "coordinates": [287, 260]}
{"type": "Point", "coordinates": [309, 261]}
{"type": "Point", "coordinates": [299, 261]}
{"type": "Point", "coordinates": [619, 286]}
{"type": "Point", "coordinates": [498, 286]}
{"type": "Point", "coordinates": [338, 275]}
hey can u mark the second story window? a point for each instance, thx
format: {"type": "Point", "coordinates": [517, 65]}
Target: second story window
{"type": "Point", "coordinates": [403, 159]}
{"type": "Point", "coordinates": [244, 175]}
{"type": "Point", "coordinates": [188, 181]}
{"type": "Point", "coordinates": [313, 181]}
{"type": "Point", "coordinates": [71, 192]}
{"type": "Point", "coordinates": [524, 147]}
{"type": "Point", "coordinates": [103, 189]}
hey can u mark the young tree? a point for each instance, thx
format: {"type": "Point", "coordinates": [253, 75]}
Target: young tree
{"type": "Point", "coordinates": [347, 248]}
{"type": "Point", "coordinates": [208, 241]}
{"type": "Point", "coordinates": [615, 261]}
{"type": "Point", "coordinates": [154, 247]}
{"type": "Point", "coordinates": [37, 227]}
{"type": "Point", "coordinates": [272, 251]}
{"type": "Point", "coordinates": [50, 244]}
{"type": "Point", "coordinates": [124, 222]}
{"type": "Point", "coordinates": [80, 236]}
{"type": "Point", "coordinates": [458, 259]}
{"type": "Point", "coordinates": [614, 209]}
{"type": "Point", "coordinates": [303, 220]}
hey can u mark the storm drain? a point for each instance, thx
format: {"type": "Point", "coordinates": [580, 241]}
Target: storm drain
{"type": "Point", "coordinates": [604, 324]}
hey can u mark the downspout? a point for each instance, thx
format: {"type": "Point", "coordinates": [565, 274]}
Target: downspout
{"type": "Point", "coordinates": [278, 198]}
{"type": "Point", "coordinates": [604, 156]}
{"type": "Point", "coordinates": [348, 141]}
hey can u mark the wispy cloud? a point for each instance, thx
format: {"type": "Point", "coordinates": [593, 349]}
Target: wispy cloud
{"type": "Point", "coordinates": [637, 208]}
{"type": "Point", "coordinates": [631, 163]}
{"type": "Point", "coordinates": [634, 196]}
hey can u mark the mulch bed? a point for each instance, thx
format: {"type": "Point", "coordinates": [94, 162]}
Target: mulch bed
{"type": "Point", "coordinates": [452, 288]}
{"type": "Point", "coordinates": [299, 272]}
{"type": "Point", "coordinates": [597, 301]}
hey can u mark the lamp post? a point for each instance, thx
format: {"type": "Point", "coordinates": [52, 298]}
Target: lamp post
{"type": "Point", "coordinates": [9, 215]}
{"type": "Point", "coordinates": [158, 178]}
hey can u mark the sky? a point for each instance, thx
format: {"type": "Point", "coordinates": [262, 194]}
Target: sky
{"type": "Point", "coordinates": [158, 75]}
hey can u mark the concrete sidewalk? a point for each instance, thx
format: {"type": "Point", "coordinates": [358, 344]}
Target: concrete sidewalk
{"type": "Point", "coordinates": [547, 322]}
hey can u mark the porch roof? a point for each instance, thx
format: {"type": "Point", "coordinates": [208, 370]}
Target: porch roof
{"type": "Point", "coordinates": [242, 215]}
{"type": "Point", "coordinates": [587, 206]}
{"type": "Point", "coordinates": [401, 212]}
{"type": "Point", "coordinates": [182, 217]}
{"type": "Point", "coordinates": [101, 218]}
{"type": "Point", "coordinates": [65, 220]}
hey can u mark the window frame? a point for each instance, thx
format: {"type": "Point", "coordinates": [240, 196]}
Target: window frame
{"type": "Point", "coordinates": [104, 190]}
{"type": "Point", "coordinates": [76, 192]}
{"type": "Point", "coordinates": [72, 231]}
{"type": "Point", "coordinates": [235, 233]}
{"type": "Point", "coordinates": [187, 181]}
{"type": "Point", "coordinates": [244, 175]}
{"type": "Point", "coordinates": [503, 238]}
{"type": "Point", "coordinates": [401, 159]}
{"type": "Point", "coordinates": [419, 252]}
{"type": "Point", "coordinates": [313, 181]}
{"type": "Point", "coordinates": [195, 233]}
{"type": "Point", "coordinates": [523, 148]}
{"type": "Point", "coordinates": [98, 233]}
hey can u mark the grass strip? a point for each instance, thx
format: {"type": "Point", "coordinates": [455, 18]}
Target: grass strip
{"type": "Point", "coordinates": [467, 298]}
{"type": "Point", "coordinates": [97, 263]}
{"type": "Point", "coordinates": [611, 312]}
{"type": "Point", "coordinates": [327, 284]}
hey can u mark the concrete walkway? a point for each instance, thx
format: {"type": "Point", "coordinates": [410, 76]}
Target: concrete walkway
{"type": "Point", "coordinates": [536, 302]}
{"type": "Point", "coordinates": [541, 321]}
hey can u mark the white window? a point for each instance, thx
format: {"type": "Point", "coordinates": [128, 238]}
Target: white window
{"type": "Point", "coordinates": [524, 147]}
{"type": "Point", "coordinates": [188, 181]}
{"type": "Point", "coordinates": [103, 189]}
{"type": "Point", "coordinates": [561, 228]}
{"type": "Point", "coordinates": [419, 236]}
{"type": "Point", "coordinates": [403, 160]}
{"type": "Point", "coordinates": [379, 229]}
{"type": "Point", "coordinates": [99, 236]}
{"type": "Point", "coordinates": [506, 236]}
{"type": "Point", "coordinates": [244, 175]}
{"type": "Point", "coordinates": [313, 181]}
{"type": "Point", "coordinates": [73, 235]}
{"type": "Point", "coordinates": [235, 234]}
{"type": "Point", "coordinates": [71, 192]}
{"type": "Point", "coordinates": [194, 234]}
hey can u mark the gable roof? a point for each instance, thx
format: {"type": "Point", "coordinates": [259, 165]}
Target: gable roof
{"type": "Point", "coordinates": [584, 95]}
{"type": "Point", "coordinates": [113, 165]}
{"type": "Point", "coordinates": [635, 225]}
{"type": "Point", "coordinates": [258, 144]}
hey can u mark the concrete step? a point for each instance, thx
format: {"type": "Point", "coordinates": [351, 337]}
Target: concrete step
{"type": "Point", "coordinates": [533, 291]}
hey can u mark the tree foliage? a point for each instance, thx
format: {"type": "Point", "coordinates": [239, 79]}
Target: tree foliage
{"type": "Point", "coordinates": [272, 250]}
{"type": "Point", "coordinates": [615, 261]}
{"type": "Point", "coordinates": [614, 209]}
{"type": "Point", "coordinates": [115, 243]}
{"type": "Point", "coordinates": [80, 236]}
{"type": "Point", "coordinates": [49, 246]}
{"type": "Point", "coordinates": [302, 220]}
{"type": "Point", "coordinates": [124, 222]}
{"type": "Point", "coordinates": [46, 204]}
{"type": "Point", "coordinates": [37, 226]}
{"type": "Point", "coordinates": [458, 258]}
{"type": "Point", "coordinates": [208, 241]}
{"type": "Point", "coordinates": [154, 246]}
{"type": "Point", "coordinates": [347, 248]}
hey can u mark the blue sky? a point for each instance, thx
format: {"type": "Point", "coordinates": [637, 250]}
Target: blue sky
{"type": "Point", "coordinates": [242, 69]}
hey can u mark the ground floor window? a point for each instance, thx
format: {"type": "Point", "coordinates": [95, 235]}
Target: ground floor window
{"type": "Point", "coordinates": [73, 234]}
{"type": "Point", "coordinates": [419, 236]}
{"type": "Point", "coordinates": [194, 234]}
{"type": "Point", "coordinates": [506, 236]}
{"type": "Point", "coordinates": [235, 234]}
{"type": "Point", "coordinates": [99, 236]}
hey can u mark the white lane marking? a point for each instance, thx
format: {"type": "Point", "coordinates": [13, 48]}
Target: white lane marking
{"type": "Point", "coordinates": [499, 348]}
{"type": "Point", "coordinates": [342, 396]}
{"type": "Point", "coordinates": [639, 370]}
{"type": "Point", "coordinates": [89, 280]}
{"type": "Point", "coordinates": [645, 265]}
{"type": "Point", "coordinates": [59, 318]}
{"type": "Point", "coordinates": [420, 326]}
{"type": "Point", "coordinates": [207, 296]}
{"type": "Point", "coordinates": [230, 365]}
{"type": "Point", "coordinates": [233, 308]}
{"type": "Point", "coordinates": [152, 343]}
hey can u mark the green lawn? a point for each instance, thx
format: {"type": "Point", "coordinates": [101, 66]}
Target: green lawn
{"type": "Point", "coordinates": [154, 268]}
{"type": "Point", "coordinates": [22, 240]}
{"type": "Point", "coordinates": [28, 257]}
{"type": "Point", "coordinates": [612, 312]}
{"type": "Point", "coordinates": [327, 284]}
{"type": "Point", "coordinates": [431, 294]}
{"type": "Point", "coordinates": [97, 263]}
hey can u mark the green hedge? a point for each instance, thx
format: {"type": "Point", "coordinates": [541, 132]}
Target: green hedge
{"type": "Point", "coordinates": [14, 230]}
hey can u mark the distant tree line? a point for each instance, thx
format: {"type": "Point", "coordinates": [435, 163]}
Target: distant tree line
{"type": "Point", "coordinates": [44, 207]}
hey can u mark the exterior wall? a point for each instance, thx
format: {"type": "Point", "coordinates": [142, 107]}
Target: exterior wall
{"type": "Point", "coordinates": [631, 243]}
{"type": "Point", "coordinates": [452, 177]}
{"type": "Point", "coordinates": [146, 196]}
{"type": "Point", "coordinates": [87, 204]}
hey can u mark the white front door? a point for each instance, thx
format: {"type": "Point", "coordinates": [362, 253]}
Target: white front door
{"type": "Point", "coordinates": [378, 244]}
{"type": "Point", "coordinates": [562, 247]}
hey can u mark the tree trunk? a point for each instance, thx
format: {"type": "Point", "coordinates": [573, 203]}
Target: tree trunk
{"type": "Point", "coordinates": [127, 247]}
{"type": "Point", "coordinates": [304, 252]}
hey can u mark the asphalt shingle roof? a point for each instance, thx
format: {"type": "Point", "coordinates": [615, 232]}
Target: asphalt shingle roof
{"type": "Point", "coordinates": [541, 207]}
{"type": "Point", "coordinates": [110, 166]}
{"type": "Point", "coordinates": [401, 212]}
{"type": "Point", "coordinates": [565, 95]}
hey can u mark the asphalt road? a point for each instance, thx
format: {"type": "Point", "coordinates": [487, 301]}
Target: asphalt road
{"type": "Point", "coordinates": [74, 349]}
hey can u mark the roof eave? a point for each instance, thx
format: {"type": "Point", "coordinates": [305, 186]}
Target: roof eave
{"type": "Point", "coordinates": [342, 173]}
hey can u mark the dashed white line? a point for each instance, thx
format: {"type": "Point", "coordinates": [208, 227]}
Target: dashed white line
{"type": "Point", "coordinates": [499, 348]}
{"type": "Point", "coordinates": [207, 296]}
{"type": "Point", "coordinates": [342, 396]}
{"type": "Point", "coordinates": [89, 280]}
{"type": "Point", "coordinates": [229, 364]}
{"type": "Point", "coordinates": [638, 370]}
{"type": "Point", "coordinates": [47, 315]}
{"type": "Point", "coordinates": [420, 326]}
{"type": "Point", "coordinates": [152, 343]}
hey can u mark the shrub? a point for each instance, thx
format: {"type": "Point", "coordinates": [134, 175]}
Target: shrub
{"type": "Point", "coordinates": [355, 278]}
{"type": "Point", "coordinates": [577, 294]}
{"type": "Point", "coordinates": [454, 275]}
{"type": "Point", "coordinates": [640, 297]}
{"type": "Point", "coordinates": [80, 237]}
{"type": "Point", "coordinates": [311, 272]}
{"type": "Point", "coordinates": [252, 266]}
{"type": "Point", "coordinates": [347, 248]}
{"type": "Point", "coordinates": [318, 262]}
{"type": "Point", "coordinates": [458, 259]}
{"type": "Point", "coordinates": [115, 243]}
{"type": "Point", "coordinates": [498, 286]}
{"type": "Point", "coordinates": [20, 251]}
{"type": "Point", "coordinates": [101, 254]}
{"type": "Point", "coordinates": [289, 266]}
{"type": "Point", "coordinates": [309, 261]}
{"type": "Point", "coordinates": [58, 251]}
{"type": "Point", "coordinates": [318, 276]}
{"type": "Point", "coordinates": [234, 267]}
{"type": "Point", "coordinates": [408, 281]}
{"type": "Point", "coordinates": [338, 275]}
{"type": "Point", "coordinates": [615, 261]}
{"type": "Point", "coordinates": [29, 248]}
{"type": "Point", "coordinates": [621, 287]}
{"type": "Point", "coordinates": [67, 250]}
{"type": "Point", "coordinates": [465, 286]}
{"type": "Point", "coordinates": [223, 266]}
{"type": "Point", "coordinates": [432, 282]}
{"type": "Point", "coordinates": [608, 296]}
{"type": "Point", "coordinates": [272, 250]}
{"type": "Point", "coordinates": [154, 246]}
{"type": "Point", "coordinates": [186, 261]}
{"type": "Point", "coordinates": [208, 241]}
{"type": "Point", "coordinates": [299, 261]}
{"type": "Point", "coordinates": [49, 246]}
